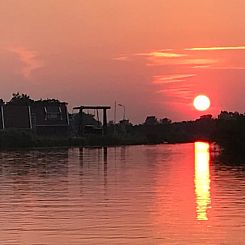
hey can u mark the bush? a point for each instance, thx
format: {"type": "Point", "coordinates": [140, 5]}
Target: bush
{"type": "Point", "coordinates": [17, 138]}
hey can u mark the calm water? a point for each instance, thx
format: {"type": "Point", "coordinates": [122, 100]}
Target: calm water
{"type": "Point", "coordinates": [165, 194]}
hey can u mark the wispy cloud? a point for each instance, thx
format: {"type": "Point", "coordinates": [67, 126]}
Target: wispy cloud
{"type": "Point", "coordinates": [174, 86]}
{"type": "Point", "coordinates": [181, 93]}
{"type": "Point", "coordinates": [198, 61]}
{"type": "Point", "coordinates": [29, 59]}
{"type": "Point", "coordinates": [162, 54]}
{"type": "Point", "coordinates": [176, 72]}
{"type": "Point", "coordinates": [121, 58]}
{"type": "Point", "coordinates": [171, 58]}
{"type": "Point", "coordinates": [174, 78]}
{"type": "Point", "coordinates": [220, 67]}
{"type": "Point", "coordinates": [188, 61]}
{"type": "Point", "coordinates": [216, 48]}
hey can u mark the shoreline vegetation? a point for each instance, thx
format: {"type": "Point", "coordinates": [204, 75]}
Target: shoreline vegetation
{"type": "Point", "coordinates": [26, 138]}
{"type": "Point", "coordinates": [227, 130]}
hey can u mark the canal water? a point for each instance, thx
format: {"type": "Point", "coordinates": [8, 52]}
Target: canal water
{"type": "Point", "coordinates": [161, 194]}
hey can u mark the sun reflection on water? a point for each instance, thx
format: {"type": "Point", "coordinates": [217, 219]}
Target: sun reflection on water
{"type": "Point", "coordinates": [202, 179]}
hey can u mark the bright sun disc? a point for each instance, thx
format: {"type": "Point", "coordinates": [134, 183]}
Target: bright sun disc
{"type": "Point", "coordinates": [201, 103]}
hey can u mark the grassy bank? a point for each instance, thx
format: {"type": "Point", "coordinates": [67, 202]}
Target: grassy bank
{"type": "Point", "coordinates": [16, 138]}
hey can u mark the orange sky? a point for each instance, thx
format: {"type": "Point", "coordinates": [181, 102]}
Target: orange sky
{"type": "Point", "coordinates": [151, 56]}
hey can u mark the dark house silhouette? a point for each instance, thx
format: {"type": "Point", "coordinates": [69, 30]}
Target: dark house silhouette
{"type": "Point", "coordinates": [43, 117]}
{"type": "Point", "coordinates": [17, 116]}
{"type": "Point", "coordinates": [50, 118]}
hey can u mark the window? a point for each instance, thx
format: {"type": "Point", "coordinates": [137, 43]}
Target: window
{"type": "Point", "coordinates": [53, 112]}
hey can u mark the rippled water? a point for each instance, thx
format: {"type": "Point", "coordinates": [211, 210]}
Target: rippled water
{"type": "Point", "coordinates": [164, 194]}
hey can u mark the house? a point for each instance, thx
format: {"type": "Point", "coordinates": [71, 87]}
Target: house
{"type": "Point", "coordinates": [50, 117]}
{"type": "Point", "coordinates": [45, 117]}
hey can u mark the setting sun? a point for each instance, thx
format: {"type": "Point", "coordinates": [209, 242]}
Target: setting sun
{"type": "Point", "coordinates": [201, 103]}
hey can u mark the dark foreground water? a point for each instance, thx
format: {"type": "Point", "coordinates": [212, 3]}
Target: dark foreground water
{"type": "Point", "coordinates": [165, 194]}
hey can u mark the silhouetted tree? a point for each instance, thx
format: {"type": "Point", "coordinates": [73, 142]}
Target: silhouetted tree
{"type": "Point", "coordinates": [151, 120]}
{"type": "Point", "coordinates": [165, 121]}
{"type": "Point", "coordinates": [230, 131]}
{"type": "Point", "coordinates": [20, 99]}
{"type": "Point", "coordinates": [48, 101]}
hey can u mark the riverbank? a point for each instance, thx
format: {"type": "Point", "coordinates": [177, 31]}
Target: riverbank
{"type": "Point", "coordinates": [228, 131]}
{"type": "Point", "coordinates": [14, 139]}
{"type": "Point", "coordinates": [25, 140]}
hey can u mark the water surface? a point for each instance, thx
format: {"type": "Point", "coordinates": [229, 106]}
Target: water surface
{"type": "Point", "coordinates": [163, 194]}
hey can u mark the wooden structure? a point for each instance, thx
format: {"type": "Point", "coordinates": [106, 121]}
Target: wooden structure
{"type": "Point", "coordinates": [104, 122]}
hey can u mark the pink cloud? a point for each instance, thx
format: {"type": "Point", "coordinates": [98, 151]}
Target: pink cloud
{"type": "Point", "coordinates": [28, 58]}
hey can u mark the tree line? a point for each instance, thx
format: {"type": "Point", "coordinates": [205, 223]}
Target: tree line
{"type": "Point", "coordinates": [227, 130]}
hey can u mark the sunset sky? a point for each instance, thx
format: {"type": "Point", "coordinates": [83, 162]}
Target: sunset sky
{"type": "Point", "coordinates": [153, 57]}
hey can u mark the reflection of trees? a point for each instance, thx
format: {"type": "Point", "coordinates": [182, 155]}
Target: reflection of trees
{"type": "Point", "coordinates": [230, 135]}
{"type": "Point", "coordinates": [228, 130]}
{"type": "Point", "coordinates": [228, 158]}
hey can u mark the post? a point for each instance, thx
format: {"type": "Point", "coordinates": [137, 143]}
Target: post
{"type": "Point", "coordinates": [2, 115]}
{"type": "Point", "coordinates": [30, 119]}
{"type": "Point", "coordinates": [104, 121]}
{"type": "Point", "coordinates": [124, 113]}
{"type": "Point", "coordinates": [115, 112]}
{"type": "Point", "coordinates": [81, 122]}
{"type": "Point", "coordinates": [115, 117]}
